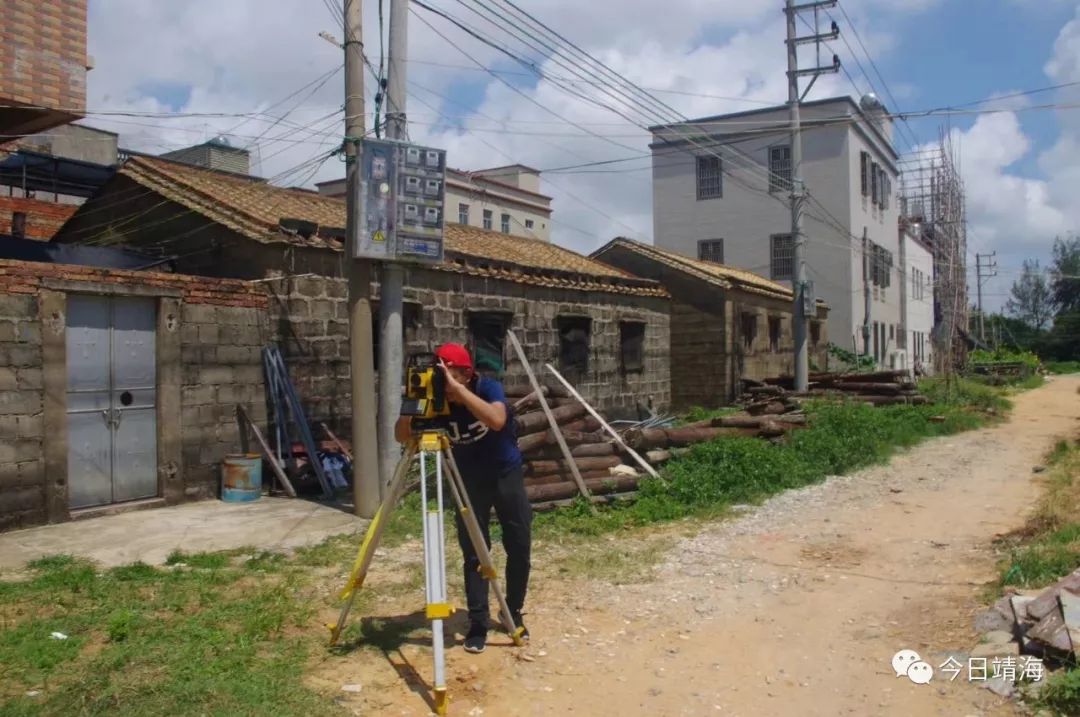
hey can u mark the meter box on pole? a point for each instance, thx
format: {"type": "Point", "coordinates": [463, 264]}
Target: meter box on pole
{"type": "Point", "coordinates": [402, 205]}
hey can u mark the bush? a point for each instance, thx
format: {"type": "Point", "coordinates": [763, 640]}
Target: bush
{"type": "Point", "coordinates": [1008, 355]}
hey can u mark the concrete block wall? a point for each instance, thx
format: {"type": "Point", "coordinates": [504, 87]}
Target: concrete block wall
{"type": "Point", "coordinates": [309, 320]}
{"type": "Point", "coordinates": [449, 298]}
{"type": "Point", "coordinates": [209, 336]}
{"type": "Point", "coordinates": [221, 357]}
{"type": "Point", "coordinates": [700, 374]}
{"type": "Point", "coordinates": [22, 461]}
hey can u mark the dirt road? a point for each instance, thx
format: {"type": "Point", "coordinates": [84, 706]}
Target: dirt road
{"type": "Point", "coordinates": [795, 608]}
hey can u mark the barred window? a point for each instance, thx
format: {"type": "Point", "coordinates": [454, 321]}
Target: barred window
{"type": "Point", "coordinates": [783, 256]}
{"type": "Point", "coordinates": [749, 330]}
{"type": "Point", "coordinates": [711, 250]}
{"type": "Point", "coordinates": [710, 182]}
{"type": "Point", "coordinates": [774, 334]}
{"type": "Point", "coordinates": [864, 169]}
{"type": "Point", "coordinates": [632, 346]}
{"type": "Point", "coordinates": [463, 213]}
{"type": "Point", "coordinates": [780, 168]}
{"type": "Point", "coordinates": [574, 334]}
{"type": "Point", "coordinates": [487, 331]}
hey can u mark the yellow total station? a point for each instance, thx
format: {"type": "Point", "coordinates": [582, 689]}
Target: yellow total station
{"type": "Point", "coordinates": [425, 388]}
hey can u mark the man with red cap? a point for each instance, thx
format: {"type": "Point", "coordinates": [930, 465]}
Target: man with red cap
{"type": "Point", "coordinates": [482, 436]}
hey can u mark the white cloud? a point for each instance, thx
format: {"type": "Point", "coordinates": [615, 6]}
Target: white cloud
{"type": "Point", "coordinates": [239, 55]}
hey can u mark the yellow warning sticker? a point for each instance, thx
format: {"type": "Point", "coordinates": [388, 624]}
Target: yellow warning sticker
{"type": "Point", "coordinates": [378, 236]}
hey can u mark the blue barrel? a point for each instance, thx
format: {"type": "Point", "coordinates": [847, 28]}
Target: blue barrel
{"type": "Point", "coordinates": [241, 477]}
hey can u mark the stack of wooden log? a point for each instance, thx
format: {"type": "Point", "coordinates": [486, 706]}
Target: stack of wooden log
{"type": "Point", "coordinates": [881, 388]}
{"type": "Point", "coordinates": [595, 452]}
{"type": "Point", "coordinates": [662, 444]}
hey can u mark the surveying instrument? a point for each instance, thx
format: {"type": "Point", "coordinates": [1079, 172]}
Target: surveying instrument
{"type": "Point", "coordinates": [425, 403]}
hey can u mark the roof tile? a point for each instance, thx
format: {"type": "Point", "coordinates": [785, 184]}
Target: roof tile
{"type": "Point", "coordinates": [253, 208]}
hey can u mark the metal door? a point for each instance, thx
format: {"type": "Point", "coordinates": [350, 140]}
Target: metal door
{"type": "Point", "coordinates": [111, 399]}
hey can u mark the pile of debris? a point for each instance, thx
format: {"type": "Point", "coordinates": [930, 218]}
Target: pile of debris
{"type": "Point", "coordinates": [1043, 624]}
{"type": "Point", "coordinates": [881, 388]}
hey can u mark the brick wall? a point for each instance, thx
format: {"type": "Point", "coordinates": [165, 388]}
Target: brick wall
{"type": "Point", "coordinates": [43, 219]}
{"type": "Point", "coordinates": [43, 54]}
{"type": "Point", "coordinates": [22, 497]}
{"type": "Point", "coordinates": [210, 332]}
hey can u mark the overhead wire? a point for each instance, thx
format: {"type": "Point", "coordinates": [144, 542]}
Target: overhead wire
{"type": "Point", "coordinates": [873, 64]}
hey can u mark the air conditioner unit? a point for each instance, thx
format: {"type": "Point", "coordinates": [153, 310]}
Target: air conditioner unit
{"type": "Point", "coordinates": [898, 360]}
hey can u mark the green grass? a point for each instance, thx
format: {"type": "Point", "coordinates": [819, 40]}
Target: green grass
{"type": "Point", "coordinates": [1048, 548]}
{"type": "Point", "coordinates": [965, 392]}
{"type": "Point", "coordinates": [1060, 367]}
{"type": "Point", "coordinates": [713, 476]}
{"type": "Point", "coordinates": [211, 638]}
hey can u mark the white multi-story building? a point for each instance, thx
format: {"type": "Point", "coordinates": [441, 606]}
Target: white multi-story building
{"type": "Point", "coordinates": [721, 188]}
{"type": "Point", "coordinates": [502, 199]}
{"type": "Point", "coordinates": [917, 258]}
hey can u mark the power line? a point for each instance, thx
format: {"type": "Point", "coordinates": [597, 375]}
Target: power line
{"type": "Point", "coordinates": [885, 85]}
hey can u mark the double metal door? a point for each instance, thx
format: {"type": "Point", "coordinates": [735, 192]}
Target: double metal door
{"type": "Point", "coordinates": [111, 399]}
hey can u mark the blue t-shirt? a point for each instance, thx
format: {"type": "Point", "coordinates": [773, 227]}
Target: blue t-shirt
{"type": "Point", "coordinates": [478, 449]}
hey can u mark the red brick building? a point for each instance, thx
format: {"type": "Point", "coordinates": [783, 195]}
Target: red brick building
{"type": "Point", "coordinates": [43, 64]}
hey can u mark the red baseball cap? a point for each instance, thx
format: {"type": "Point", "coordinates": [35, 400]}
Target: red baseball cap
{"type": "Point", "coordinates": [454, 355]}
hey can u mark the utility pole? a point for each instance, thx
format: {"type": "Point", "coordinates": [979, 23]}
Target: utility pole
{"type": "Point", "coordinates": [990, 265]}
{"type": "Point", "coordinates": [392, 279]}
{"type": "Point", "coordinates": [366, 483]}
{"type": "Point", "coordinates": [800, 310]}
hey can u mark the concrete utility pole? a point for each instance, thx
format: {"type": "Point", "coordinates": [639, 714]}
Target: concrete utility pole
{"type": "Point", "coordinates": [366, 483]}
{"type": "Point", "coordinates": [392, 280]}
{"type": "Point", "coordinates": [990, 265]}
{"type": "Point", "coordinates": [799, 312]}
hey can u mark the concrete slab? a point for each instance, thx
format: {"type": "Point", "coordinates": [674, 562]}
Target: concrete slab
{"type": "Point", "coordinates": [150, 535]}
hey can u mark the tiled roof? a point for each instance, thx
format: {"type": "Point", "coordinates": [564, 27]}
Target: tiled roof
{"type": "Point", "coordinates": [253, 208]}
{"type": "Point", "coordinates": [721, 275]}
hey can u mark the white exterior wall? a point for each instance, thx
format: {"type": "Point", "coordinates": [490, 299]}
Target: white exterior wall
{"type": "Point", "coordinates": [920, 302]}
{"type": "Point", "coordinates": [746, 216]}
{"type": "Point", "coordinates": [881, 229]}
{"type": "Point", "coordinates": [523, 205]}
{"type": "Point", "coordinates": [479, 200]}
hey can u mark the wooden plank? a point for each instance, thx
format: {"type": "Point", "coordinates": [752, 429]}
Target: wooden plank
{"type": "Point", "coordinates": [604, 424]}
{"type": "Point", "coordinates": [289, 490]}
{"type": "Point", "coordinates": [547, 411]}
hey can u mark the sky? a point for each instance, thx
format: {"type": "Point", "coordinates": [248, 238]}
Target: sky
{"type": "Point", "coordinates": [258, 72]}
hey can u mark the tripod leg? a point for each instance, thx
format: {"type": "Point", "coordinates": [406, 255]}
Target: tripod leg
{"type": "Point", "coordinates": [435, 568]}
{"type": "Point", "coordinates": [487, 565]}
{"type": "Point", "coordinates": [371, 541]}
